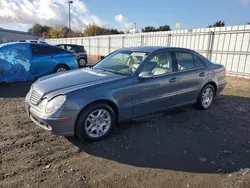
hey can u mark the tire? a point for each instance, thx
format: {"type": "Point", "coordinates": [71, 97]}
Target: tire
{"type": "Point", "coordinates": [61, 68]}
{"type": "Point", "coordinates": [200, 104]}
{"type": "Point", "coordinates": [82, 123]}
{"type": "Point", "coordinates": [82, 62]}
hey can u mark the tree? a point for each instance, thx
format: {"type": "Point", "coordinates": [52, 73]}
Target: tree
{"type": "Point", "coordinates": [164, 28]}
{"type": "Point", "coordinates": [217, 24]}
{"type": "Point", "coordinates": [56, 33]}
{"type": "Point", "coordinates": [148, 29]}
{"type": "Point", "coordinates": [152, 29]}
{"type": "Point", "coordinates": [93, 30]}
{"type": "Point", "coordinates": [38, 29]}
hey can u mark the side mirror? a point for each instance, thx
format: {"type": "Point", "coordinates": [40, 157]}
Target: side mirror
{"type": "Point", "coordinates": [145, 75]}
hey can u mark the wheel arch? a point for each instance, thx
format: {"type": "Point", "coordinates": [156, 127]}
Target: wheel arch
{"type": "Point", "coordinates": [213, 84]}
{"type": "Point", "coordinates": [61, 64]}
{"type": "Point", "coordinates": [111, 103]}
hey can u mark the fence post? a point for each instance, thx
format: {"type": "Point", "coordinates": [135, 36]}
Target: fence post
{"type": "Point", "coordinates": [98, 50]}
{"type": "Point", "coordinates": [210, 45]}
{"type": "Point", "coordinates": [169, 40]}
{"type": "Point", "coordinates": [142, 40]}
{"type": "Point", "coordinates": [109, 44]}
{"type": "Point", "coordinates": [89, 46]}
{"type": "Point", "coordinates": [123, 41]}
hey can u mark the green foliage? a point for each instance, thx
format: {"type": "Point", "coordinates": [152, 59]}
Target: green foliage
{"type": "Point", "coordinates": [56, 33]}
{"type": "Point", "coordinates": [39, 29]}
{"type": "Point", "coordinates": [63, 31]}
{"type": "Point", "coordinates": [153, 29]}
{"type": "Point", "coordinates": [94, 30]}
{"type": "Point", "coordinates": [217, 24]}
{"type": "Point", "coordinates": [148, 29]}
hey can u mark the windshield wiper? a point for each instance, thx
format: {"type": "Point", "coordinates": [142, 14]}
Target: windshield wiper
{"type": "Point", "coordinates": [112, 71]}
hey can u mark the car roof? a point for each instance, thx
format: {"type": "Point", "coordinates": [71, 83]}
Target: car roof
{"type": "Point", "coordinates": [68, 44]}
{"type": "Point", "coordinates": [151, 49]}
{"type": "Point", "coordinates": [14, 43]}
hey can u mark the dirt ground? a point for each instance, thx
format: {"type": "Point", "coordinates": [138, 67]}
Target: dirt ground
{"type": "Point", "coordinates": [182, 147]}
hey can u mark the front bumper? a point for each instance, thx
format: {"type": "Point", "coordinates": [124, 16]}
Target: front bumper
{"type": "Point", "coordinates": [59, 123]}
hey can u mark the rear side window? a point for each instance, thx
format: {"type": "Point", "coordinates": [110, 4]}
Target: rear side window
{"type": "Point", "coordinates": [55, 50]}
{"type": "Point", "coordinates": [78, 49]}
{"type": "Point", "coordinates": [198, 62]}
{"type": "Point", "coordinates": [69, 48]}
{"type": "Point", "coordinates": [38, 50]}
{"type": "Point", "coordinates": [61, 46]}
{"type": "Point", "coordinates": [186, 61]}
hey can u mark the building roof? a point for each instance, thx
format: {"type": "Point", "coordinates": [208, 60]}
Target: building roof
{"type": "Point", "coordinates": [15, 31]}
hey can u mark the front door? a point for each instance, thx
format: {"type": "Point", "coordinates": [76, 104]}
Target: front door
{"type": "Point", "coordinates": [159, 90]}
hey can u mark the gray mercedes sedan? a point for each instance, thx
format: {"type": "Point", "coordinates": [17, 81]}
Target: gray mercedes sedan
{"type": "Point", "coordinates": [128, 83]}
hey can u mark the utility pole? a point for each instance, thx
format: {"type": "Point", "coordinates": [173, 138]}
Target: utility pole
{"type": "Point", "coordinates": [69, 19]}
{"type": "Point", "coordinates": [135, 27]}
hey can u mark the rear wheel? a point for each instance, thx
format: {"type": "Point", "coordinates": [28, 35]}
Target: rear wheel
{"type": "Point", "coordinates": [82, 62]}
{"type": "Point", "coordinates": [205, 98]}
{"type": "Point", "coordinates": [95, 122]}
{"type": "Point", "coordinates": [61, 68]}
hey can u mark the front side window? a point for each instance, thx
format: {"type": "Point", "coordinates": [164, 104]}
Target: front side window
{"type": "Point", "coordinates": [159, 64]}
{"type": "Point", "coordinates": [39, 50]}
{"type": "Point", "coordinates": [122, 62]}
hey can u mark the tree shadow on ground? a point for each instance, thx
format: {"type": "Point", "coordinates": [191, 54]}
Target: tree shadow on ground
{"type": "Point", "coordinates": [182, 139]}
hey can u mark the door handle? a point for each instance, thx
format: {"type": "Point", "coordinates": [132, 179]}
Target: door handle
{"type": "Point", "coordinates": [202, 74]}
{"type": "Point", "coordinates": [173, 80]}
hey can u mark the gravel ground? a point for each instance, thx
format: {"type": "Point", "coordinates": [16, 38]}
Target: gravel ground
{"type": "Point", "coordinates": [182, 147]}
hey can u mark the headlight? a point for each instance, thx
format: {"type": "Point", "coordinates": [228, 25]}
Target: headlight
{"type": "Point", "coordinates": [42, 105]}
{"type": "Point", "coordinates": [55, 104]}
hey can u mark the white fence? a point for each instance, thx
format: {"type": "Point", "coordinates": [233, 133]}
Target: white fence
{"type": "Point", "coordinates": [229, 46]}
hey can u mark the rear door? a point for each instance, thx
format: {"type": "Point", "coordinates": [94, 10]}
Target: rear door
{"type": "Point", "coordinates": [43, 60]}
{"type": "Point", "coordinates": [192, 74]}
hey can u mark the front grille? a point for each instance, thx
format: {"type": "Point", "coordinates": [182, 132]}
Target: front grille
{"type": "Point", "coordinates": [35, 97]}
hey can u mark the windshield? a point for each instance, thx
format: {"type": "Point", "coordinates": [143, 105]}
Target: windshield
{"type": "Point", "coordinates": [122, 62]}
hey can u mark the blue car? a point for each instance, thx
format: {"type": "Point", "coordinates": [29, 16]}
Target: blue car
{"type": "Point", "coordinates": [24, 61]}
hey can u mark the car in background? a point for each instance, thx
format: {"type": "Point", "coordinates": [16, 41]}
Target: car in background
{"type": "Point", "coordinates": [33, 41]}
{"type": "Point", "coordinates": [81, 53]}
{"type": "Point", "coordinates": [128, 83]}
{"type": "Point", "coordinates": [25, 61]}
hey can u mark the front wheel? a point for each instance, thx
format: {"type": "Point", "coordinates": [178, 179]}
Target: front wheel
{"type": "Point", "coordinates": [95, 122]}
{"type": "Point", "coordinates": [205, 98]}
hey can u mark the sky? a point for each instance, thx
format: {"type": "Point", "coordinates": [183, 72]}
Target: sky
{"type": "Point", "coordinates": [22, 14]}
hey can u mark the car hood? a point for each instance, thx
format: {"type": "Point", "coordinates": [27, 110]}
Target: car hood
{"type": "Point", "coordinates": [72, 80]}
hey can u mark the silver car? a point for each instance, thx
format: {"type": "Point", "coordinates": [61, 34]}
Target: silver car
{"type": "Point", "coordinates": [128, 83]}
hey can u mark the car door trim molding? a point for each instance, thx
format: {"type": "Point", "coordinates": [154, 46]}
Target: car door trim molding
{"type": "Point", "coordinates": [166, 95]}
